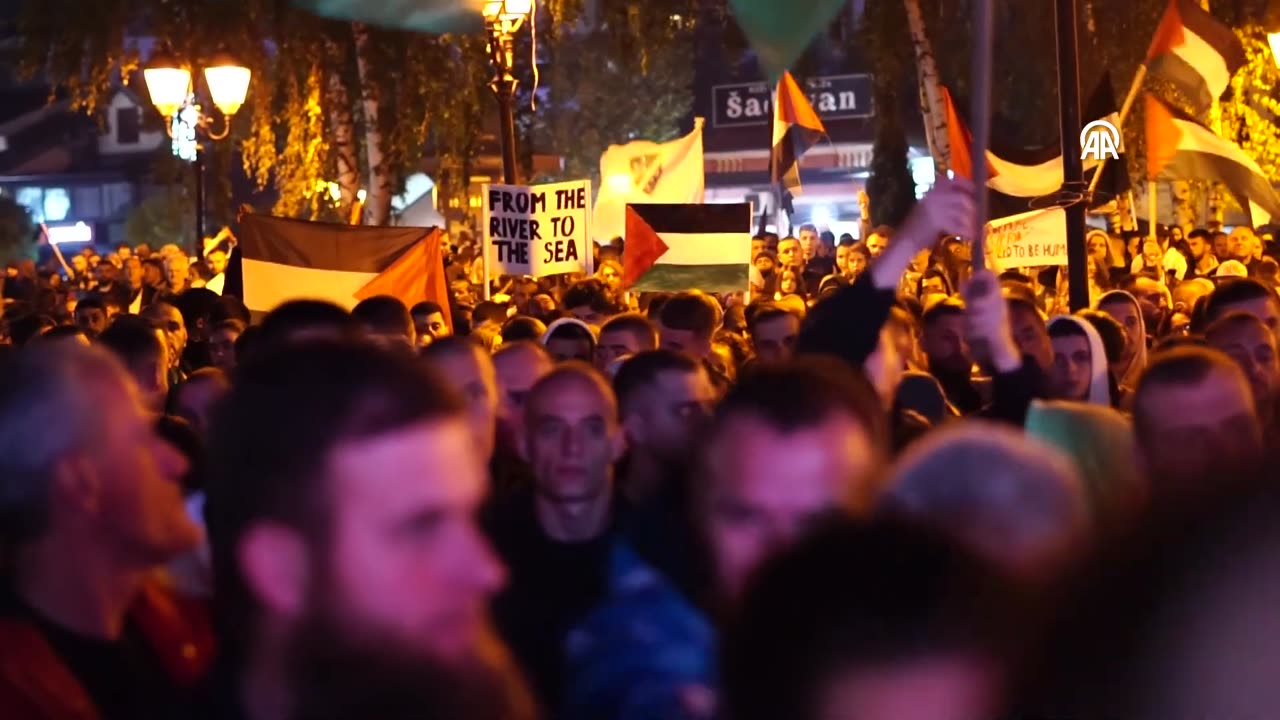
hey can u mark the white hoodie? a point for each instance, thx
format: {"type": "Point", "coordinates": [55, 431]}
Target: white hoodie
{"type": "Point", "coordinates": [1099, 371]}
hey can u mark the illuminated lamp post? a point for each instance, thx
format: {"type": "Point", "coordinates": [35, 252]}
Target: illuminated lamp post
{"type": "Point", "coordinates": [169, 85]}
{"type": "Point", "coordinates": [502, 19]}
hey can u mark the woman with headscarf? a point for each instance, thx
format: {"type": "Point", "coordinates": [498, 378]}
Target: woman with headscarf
{"type": "Point", "coordinates": [1080, 372]}
{"type": "Point", "coordinates": [1125, 309]}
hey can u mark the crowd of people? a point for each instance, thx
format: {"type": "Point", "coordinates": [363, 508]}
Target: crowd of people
{"type": "Point", "coordinates": [922, 491]}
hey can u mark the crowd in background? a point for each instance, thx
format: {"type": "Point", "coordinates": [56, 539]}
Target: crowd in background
{"type": "Point", "coordinates": [885, 483]}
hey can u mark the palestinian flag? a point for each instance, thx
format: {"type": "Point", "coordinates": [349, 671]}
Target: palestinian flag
{"type": "Point", "coordinates": [1179, 148]}
{"type": "Point", "coordinates": [1020, 174]}
{"type": "Point", "coordinates": [1195, 52]}
{"type": "Point", "coordinates": [671, 248]}
{"type": "Point", "coordinates": [796, 128]}
{"type": "Point", "coordinates": [286, 260]}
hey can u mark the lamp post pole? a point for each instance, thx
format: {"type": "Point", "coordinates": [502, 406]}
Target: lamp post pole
{"type": "Point", "coordinates": [1072, 164]}
{"type": "Point", "coordinates": [502, 55]}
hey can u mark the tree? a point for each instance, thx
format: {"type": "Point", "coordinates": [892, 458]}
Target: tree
{"type": "Point", "coordinates": [891, 188]}
{"type": "Point", "coordinates": [615, 73]}
{"type": "Point", "coordinates": [166, 217]}
{"type": "Point", "coordinates": [17, 232]}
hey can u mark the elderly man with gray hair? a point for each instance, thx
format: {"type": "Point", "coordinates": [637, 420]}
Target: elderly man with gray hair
{"type": "Point", "coordinates": [90, 508]}
{"type": "Point", "coordinates": [1018, 502]}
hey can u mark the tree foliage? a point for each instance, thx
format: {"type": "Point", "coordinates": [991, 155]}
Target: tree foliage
{"type": "Point", "coordinates": [891, 188]}
{"type": "Point", "coordinates": [166, 217]}
{"type": "Point", "coordinates": [17, 231]}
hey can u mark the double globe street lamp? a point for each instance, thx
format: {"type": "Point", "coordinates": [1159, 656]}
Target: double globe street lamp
{"type": "Point", "coordinates": [169, 84]}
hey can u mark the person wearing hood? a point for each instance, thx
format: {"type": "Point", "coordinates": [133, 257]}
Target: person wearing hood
{"type": "Point", "coordinates": [1079, 371]}
{"type": "Point", "coordinates": [1125, 309]}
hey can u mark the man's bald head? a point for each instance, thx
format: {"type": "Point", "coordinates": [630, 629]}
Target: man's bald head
{"type": "Point", "coordinates": [569, 377]}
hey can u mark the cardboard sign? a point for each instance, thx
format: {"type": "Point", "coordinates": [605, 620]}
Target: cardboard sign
{"type": "Point", "coordinates": [1032, 239]}
{"type": "Point", "coordinates": [538, 229]}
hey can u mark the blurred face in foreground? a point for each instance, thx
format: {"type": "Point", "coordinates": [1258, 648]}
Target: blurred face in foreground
{"type": "Point", "coordinates": [943, 687]}
{"type": "Point", "coordinates": [764, 487]}
{"type": "Point", "coordinates": [405, 559]}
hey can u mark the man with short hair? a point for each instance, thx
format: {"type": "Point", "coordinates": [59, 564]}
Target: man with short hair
{"type": "Point", "coordinates": [195, 399]}
{"type": "Point", "coordinates": [386, 320]}
{"type": "Point", "coordinates": [1252, 346]}
{"type": "Point", "coordinates": [789, 445]}
{"type": "Point", "coordinates": [91, 315]}
{"type": "Point", "coordinates": [142, 349]}
{"type": "Point", "coordinates": [878, 240]}
{"type": "Point", "coordinates": [555, 536]}
{"type": "Point", "coordinates": [945, 345]}
{"type": "Point", "coordinates": [429, 323]}
{"type": "Point", "coordinates": [687, 322]}
{"type": "Point", "coordinates": [91, 508]}
{"type": "Point", "coordinates": [789, 255]}
{"type": "Point", "coordinates": [343, 488]}
{"type": "Point", "coordinates": [469, 370]}
{"type": "Point", "coordinates": [623, 336]}
{"type": "Point", "coordinates": [1195, 422]}
{"type": "Point", "coordinates": [1247, 295]}
{"type": "Point", "coordinates": [773, 331]}
{"type": "Point", "coordinates": [518, 367]}
{"type": "Point", "coordinates": [570, 339]}
{"type": "Point", "coordinates": [1200, 242]}
{"type": "Point", "coordinates": [169, 319]}
{"type": "Point", "coordinates": [222, 344]}
{"type": "Point", "coordinates": [589, 301]}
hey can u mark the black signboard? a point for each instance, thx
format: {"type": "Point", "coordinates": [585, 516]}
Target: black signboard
{"type": "Point", "coordinates": [836, 97]}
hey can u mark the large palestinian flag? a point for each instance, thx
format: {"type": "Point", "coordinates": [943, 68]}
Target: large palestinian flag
{"type": "Point", "coordinates": [670, 248]}
{"type": "Point", "coordinates": [1179, 148]}
{"type": "Point", "coordinates": [285, 259]}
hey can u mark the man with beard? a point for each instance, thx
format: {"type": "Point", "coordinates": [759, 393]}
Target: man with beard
{"type": "Point", "coordinates": [343, 489]}
{"type": "Point", "coordinates": [555, 536]}
{"type": "Point", "coordinates": [1252, 346]}
{"type": "Point", "coordinates": [169, 319]}
{"type": "Point", "coordinates": [91, 509]}
{"type": "Point", "coordinates": [789, 445]}
{"type": "Point", "coordinates": [1248, 296]}
{"type": "Point", "coordinates": [947, 350]}
{"type": "Point", "coordinates": [1201, 245]}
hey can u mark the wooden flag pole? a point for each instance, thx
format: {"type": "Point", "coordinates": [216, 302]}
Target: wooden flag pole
{"type": "Point", "coordinates": [980, 126]}
{"type": "Point", "coordinates": [1151, 212]}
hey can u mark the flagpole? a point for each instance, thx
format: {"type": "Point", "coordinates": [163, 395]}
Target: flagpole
{"type": "Point", "coordinates": [1151, 212]}
{"type": "Point", "coordinates": [1072, 163]}
{"type": "Point", "coordinates": [485, 239]}
{"type": "Point", "coordinates": [1138, 77]}
{"type": "Point", "coordinates": [983, 22]}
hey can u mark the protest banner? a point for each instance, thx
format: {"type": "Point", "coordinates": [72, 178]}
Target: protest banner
{"type": "Point", "coordinates": [1031, 239]}
{"type": "Point", "coordinates": [537, 230]}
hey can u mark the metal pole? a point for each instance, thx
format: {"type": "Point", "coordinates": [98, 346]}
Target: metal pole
{"type": "Point", "coordinates": [198, 168]}
{"type": "Point", "coordinates": [502, 56]}
{"type": "Point", "coordinates": [980, 125]}
{"type": "Point", "coordinates": [1072, 164]}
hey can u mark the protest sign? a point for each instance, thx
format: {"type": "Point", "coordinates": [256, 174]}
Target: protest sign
{"type": "Point", "coordinates": [1031, 239]}
{"type": "Point", "coordinates": [537, 230]}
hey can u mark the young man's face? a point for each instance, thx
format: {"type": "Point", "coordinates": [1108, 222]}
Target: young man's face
{"type": "Point", "coordinates": [616, 344]}
{"type": "Point", "coordinates": [406, 559]}
{"type": "Point", "coordinates": [1267, 310]}
{"type": "Point", "coordinates": [1192, 429]}
{"type": "Point", "coordinates": [1030, 334]}
{"type": "Point", "coordinates": [1127, 315]}
{"type": "Point", "coordinates": [685, 341]}
{"type": "Point", "coordinates": [944, 343]}
{"type": "Point", "coordinates": [765, 487]}
{"type": "Point", "coordinates": [217, 261]}
{"type": "Point", "coordinates": [808, 243]}
{"type": "Point", "coordinates": [1253, 348]}
{"type": "Point", "coordinates": [670, 413]}
{"type": "Point", "coordinates": [91, 319]}
{"type": "Point", "coordinates": [588, 314]}
{"type": "Point", "coordinates": [572, 440]}
{"type": "Point", "coordinates": [472, 373]}
{"type": "Point", "coordinates": [1072, 367]}
{"type": "Point", "coordinates": [1197, 246]}
{"type": "Point", "coordinates": [789, 253]}
{"type": "Point", "coordinates": [222, 348]}
{"type": "Point", "coordinates": [775, 338]}
{"type": "Point", "coordinates": [430, 327]}
{"type": "Point", "coordinates": [876, 244]}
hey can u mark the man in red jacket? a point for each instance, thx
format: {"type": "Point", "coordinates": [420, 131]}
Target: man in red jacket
{"type": "Point", "coordinates": [91, 507]}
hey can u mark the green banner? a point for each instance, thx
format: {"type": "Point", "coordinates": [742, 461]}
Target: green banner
{"type": "Point", "coordinates": [780, 31]}
{"type": "Point", "coordinates": [433, 16]}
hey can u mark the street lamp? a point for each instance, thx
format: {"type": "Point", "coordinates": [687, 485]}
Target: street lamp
{"type": "Point", "coordinates": [502, 19]}
{"type": "Point", "coordinates": [169, 85]}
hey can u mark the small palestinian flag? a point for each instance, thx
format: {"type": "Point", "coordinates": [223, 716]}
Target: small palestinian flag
{"type": "Point", "coordinates": [671, 248]}
{"type": "Point", "coordinates": [1195, 52]}
{"type": "Point", "coordinates": [796, 128]}
{"type": "Point", "coordinates": [1179, 148]}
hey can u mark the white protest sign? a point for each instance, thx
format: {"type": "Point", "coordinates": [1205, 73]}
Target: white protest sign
{"type": "Point", "coordinates": [538, 229]}
{"type": "Point", "coordinates": [1032, 239]}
